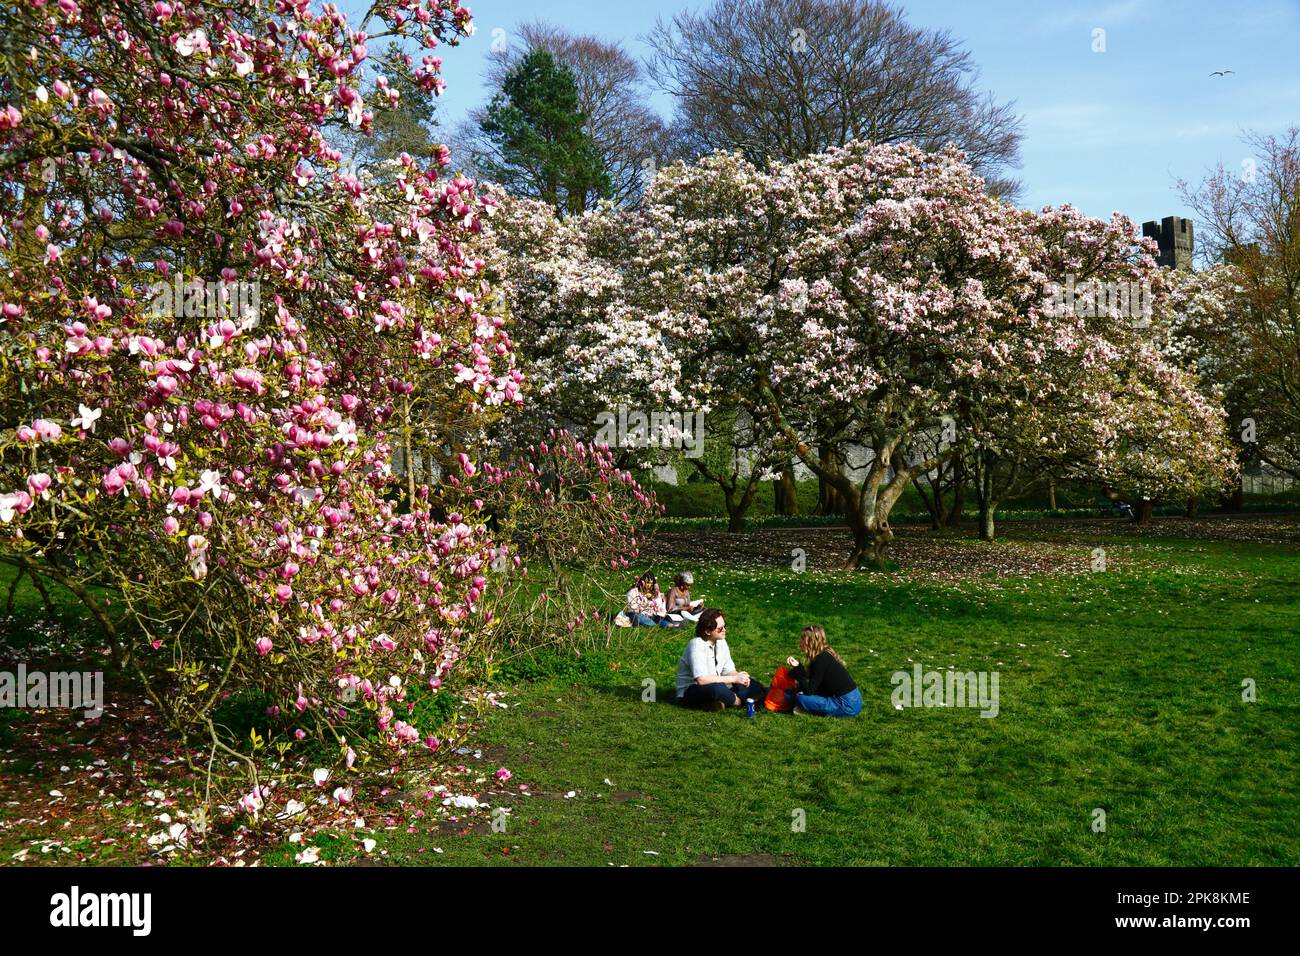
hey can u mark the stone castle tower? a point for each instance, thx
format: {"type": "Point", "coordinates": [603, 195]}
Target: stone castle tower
{"type": "Point", "coordinates": [1174, 236]}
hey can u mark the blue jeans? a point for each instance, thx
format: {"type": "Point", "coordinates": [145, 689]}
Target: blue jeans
{"type": "Point", "coordinates": [846, 705]}
{"type": "Point", "coordinates": [641, 619]}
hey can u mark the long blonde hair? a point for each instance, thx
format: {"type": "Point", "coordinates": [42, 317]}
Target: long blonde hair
{"type": "Point", "coordinates": [812, 642]}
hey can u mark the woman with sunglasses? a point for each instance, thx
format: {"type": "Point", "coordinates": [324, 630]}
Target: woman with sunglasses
{"type": "Point", "coordinates": [706, 675]}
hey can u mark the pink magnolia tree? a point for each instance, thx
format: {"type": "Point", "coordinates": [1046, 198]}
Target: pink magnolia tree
{"type": "Point", "coordinates": [565, 514]}
{"type": "Point", "coordinates": [585, 350]}
{"type": "Point", "coordinates": [1098, 398]}
{"type": "Point", "coordinates": [210, 331]}
{"type": "Point", "coordinates": [922, 297]}
{"type": "Point", "coordinates": [868, 296]}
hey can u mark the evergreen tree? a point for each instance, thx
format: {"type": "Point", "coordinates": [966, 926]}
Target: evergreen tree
{"type": "Point", "coordinates": [539, 148]}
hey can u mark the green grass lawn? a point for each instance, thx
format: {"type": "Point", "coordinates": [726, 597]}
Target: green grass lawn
{"type": "Point", "coordinates": [1119, 690]}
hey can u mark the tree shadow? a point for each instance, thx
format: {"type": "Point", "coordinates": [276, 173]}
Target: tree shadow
{"type": "Point", "coordinates": [635, 691]}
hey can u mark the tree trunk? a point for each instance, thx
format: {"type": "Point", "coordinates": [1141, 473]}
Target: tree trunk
{"type": "Point", "coordinates": [1191, 506]}
{"type": "Point", "coordinates": [958, 496]}
{"type": "Point", "coordinates": [1237, 502]}
{"type": "Point", "coordinates": [1142, 514]}
{"type": "Point", "coordinates": [736, 509]}
{"type": "Point", "coordinates": [871, 532]}
{"type": "Point", "coordinates": [861, 548]}
{"type": "Point", "coordinates": [879, 545]}
{"type": "Point", "coordinates": [987, 508]}
{"type": "Point", "coordinates": [735, 516]}
{"type": "Point", "coordinates": [937, 514]}
{"type": "Point", "coordinates": [870, 541]}
{"type": "Point", "coordinates": [1051, 493]}
{"type": "Point", "coordinates": [785, 494]}
{"type": "Point", "coordinates": [870, 529]}
{"type": "Point", "coordinates": [1234, 500]}
{"type": "Point", "coordinates": [933, 500]}
{"type": "Point", "coordinates": [825, 498]}
{"type": "Point", "coordinates": [829, 499]}
{"type": "Point", "coordinates": [984, 495]}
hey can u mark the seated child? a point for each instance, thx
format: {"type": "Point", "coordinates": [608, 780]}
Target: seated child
{"type": "Point", "coordinates": [825, 687]}
{"type": "Point", "coordinates": [645, 604]}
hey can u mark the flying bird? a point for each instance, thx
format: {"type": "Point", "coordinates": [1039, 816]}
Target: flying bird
{"type": "Point", "coordinates": [1221, 72]}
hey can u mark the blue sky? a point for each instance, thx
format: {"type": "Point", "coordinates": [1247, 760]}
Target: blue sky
{"type": "Point", "coordinates": [1105, 131]}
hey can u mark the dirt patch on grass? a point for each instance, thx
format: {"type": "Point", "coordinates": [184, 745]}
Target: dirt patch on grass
{"type": "Point", "coordinates": [462, 827]}
{"type": "Point", "coordinates": [494, 754]}
{"type": "Point", "coordinates": [626, 795]}
{"type": "Point", "coordinates": [914, 552]}
{"type": "Point", "coordinates": [738, 859]}
{"type": "Point", "coordinates": [1023, 548]}
{"type": "Point", "coordinates": [548, 795]}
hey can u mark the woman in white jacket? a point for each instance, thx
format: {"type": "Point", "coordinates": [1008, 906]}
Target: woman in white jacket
{"type": "Point", "coordinates": [707, 676]}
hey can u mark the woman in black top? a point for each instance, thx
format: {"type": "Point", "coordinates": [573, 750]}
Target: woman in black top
{"type": "Point", "coordinates": [825, 687]}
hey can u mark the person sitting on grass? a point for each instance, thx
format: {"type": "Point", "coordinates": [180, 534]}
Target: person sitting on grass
{"type": "Point", "coordinates": [679, 599]}
{"type": "Point", "coordinates": [645, 604]}
{"type": "Point", "coordinates": [825, 687]}
{"type": "Point", "coordinates": [706, 675]}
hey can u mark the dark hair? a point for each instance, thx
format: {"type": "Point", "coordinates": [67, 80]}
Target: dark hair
{"type": "Point", "coordinates": [646, 578]}
{"type": "Point", "coordinates": [708, 621]}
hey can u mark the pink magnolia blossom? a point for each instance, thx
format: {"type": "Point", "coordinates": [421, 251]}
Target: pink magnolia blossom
{"type": "Point", "coordinates": [14, 503]}
{"type": "Point", "coordinates": [47, 430]}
